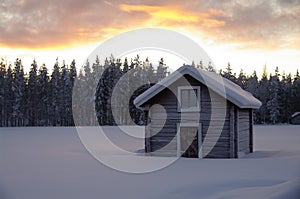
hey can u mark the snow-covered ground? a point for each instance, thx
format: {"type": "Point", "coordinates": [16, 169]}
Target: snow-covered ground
{"type": "Point", "coordinates": [52, 163]}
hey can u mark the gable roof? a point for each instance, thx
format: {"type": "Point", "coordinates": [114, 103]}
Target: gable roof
{"type": "Point", "coordinates": [295, 114]}
{"type": "Point", "coordinates": [212, 80]}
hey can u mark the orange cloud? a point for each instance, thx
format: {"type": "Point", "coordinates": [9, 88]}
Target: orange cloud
{"type": "Point", "coordinates": [172, 15]}
{"type": "Point", "coordinates": [162, 13]}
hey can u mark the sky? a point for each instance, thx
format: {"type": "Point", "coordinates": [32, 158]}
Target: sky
{"type": "Point", "coordinates": [248, 34]}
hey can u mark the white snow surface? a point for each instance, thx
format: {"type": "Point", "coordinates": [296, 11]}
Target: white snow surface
{"type": "Point", "coordinates": [52, 163]}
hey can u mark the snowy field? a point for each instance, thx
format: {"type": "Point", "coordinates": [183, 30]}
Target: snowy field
{"type": "Point", "coordinates": [52, 163]}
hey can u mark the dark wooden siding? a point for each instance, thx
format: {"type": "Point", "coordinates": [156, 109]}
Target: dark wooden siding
{"type": "Point", "coordinates": [215, 121]}
{"type": "Point", "coordinates": [244, 131]}
{"type": "Point", "coordinates": [214, 117]}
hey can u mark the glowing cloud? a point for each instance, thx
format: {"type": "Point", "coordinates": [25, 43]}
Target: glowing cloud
{"type": "Point", "coordinates": [162, 13]}
{"type": "Point", "coordinates": [172, 15]}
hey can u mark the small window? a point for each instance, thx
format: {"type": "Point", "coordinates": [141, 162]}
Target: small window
{"type": "Point", "coordinates": [188, 98]}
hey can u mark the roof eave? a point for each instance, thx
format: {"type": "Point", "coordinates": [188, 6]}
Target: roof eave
{"type": "Point", "coordinates": [151, 92]}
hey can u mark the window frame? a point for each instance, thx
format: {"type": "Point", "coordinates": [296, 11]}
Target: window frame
{"type": "Point", "coordinates": [190, 109]}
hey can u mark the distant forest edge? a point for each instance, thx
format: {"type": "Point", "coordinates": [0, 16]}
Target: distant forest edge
{"type": "Point", "coordinates": [42, 99]}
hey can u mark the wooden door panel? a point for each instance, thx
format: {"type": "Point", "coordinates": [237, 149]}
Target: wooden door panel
{"type": "Point", "coordinates": [189, 142]}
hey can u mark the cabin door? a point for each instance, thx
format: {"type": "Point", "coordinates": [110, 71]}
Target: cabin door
{"type": "Point", "coordinates": [190, 141]}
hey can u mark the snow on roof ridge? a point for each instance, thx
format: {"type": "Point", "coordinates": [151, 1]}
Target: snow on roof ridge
{"type": "Point", "coordinates": [226, 88]}
{"type": "Point", "coordinates": [233, 92]}
{"type": "Point", "coordinates": [295, 114]}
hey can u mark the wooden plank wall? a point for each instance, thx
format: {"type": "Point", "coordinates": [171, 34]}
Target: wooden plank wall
{"type": "Point", "coordinates": [251, 131]}
{"type": "Point", "coordinates": [163, 131]}
{"type": "Point", "coordinates": [232, 131]}
{"type": "Point", "coordinates": [147, 135]}
{"type": "Point", "coordinates": [214, 124]}
{"type": "Point", "coordinates": [243, 131]}
{"type": "Point", "coordinates": [234, 124]}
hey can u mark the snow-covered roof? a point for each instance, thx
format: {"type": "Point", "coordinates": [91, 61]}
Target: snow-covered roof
{"type": "Point", "coordinates": [295, 114]}
{"type": "Point", "coordinates": [212, 80]}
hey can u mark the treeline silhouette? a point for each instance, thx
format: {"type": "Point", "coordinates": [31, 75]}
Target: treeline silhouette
{"type": "Point", "coordinates": [43, 99]}
{"type": "Point", "coordinates": [279, 93]}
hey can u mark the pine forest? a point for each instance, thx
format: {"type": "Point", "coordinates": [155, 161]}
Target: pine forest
{"type": "Point", "coordinates": [41, 98]}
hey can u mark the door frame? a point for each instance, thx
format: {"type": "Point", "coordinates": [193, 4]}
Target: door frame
{"type": "Point", "coordinates": [199, 125]}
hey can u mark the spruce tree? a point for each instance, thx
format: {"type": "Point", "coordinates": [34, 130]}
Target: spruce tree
{"type": "Point", "coordinates": [2, 92]}
{"type": "Point", "coordinates": [72, 72]}
{"type": "Point", "coordinates": [296, 92]}
{"type": "Point", "coordinates": [9, 97]}
{"type": "Point", "coordinates": [228, 73]}
{"type": "Point", "coordinates": [125, 66]}
{"type": "Point", "coordinates": [87, 94]}
{"type": "Point", "coordinates": [33, 97]}
{"type": "Point", "coordinates": [55, 98]}
{"type": "Point", "coordinates": [210, 67]}
{"type": "Point", "coordinates": [44, 107]}
{"type": "Point", "coordinates": [200, 65]}
{"type": "Point", "coordinates": [263, 93]}
{"type": "Point", "coordinates": [241, 80]}
{"type": "Point", "coordinates": [18, 88]}
{"type": "Point", "coordinates": [64, 88]}
{"type": "Point", "coordinates": [251, 84]}
{"type": "Point", "coordinates": [77, 102]}
{"type": "Point", "coordinates": [274, 98]}
{"type": "Point", "coordinates": [286, 98]}
{"type": "Point", "coordinates": [72, 77]}
{"type": "Point", "coordinates": [102, 95]}
{"type": "Point", "coordinates": [124, 91]}
{"type": "Point", "coordinates": [161, 72]}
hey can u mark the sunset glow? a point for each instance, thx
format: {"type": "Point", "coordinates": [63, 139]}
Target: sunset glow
{"type": "Point", "coordinates": [162, 14]}
{"type": "Point", "coordinates": [248, 34]}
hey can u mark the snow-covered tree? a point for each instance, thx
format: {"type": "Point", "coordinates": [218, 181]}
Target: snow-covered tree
{"type": "Point", "coordinates": [44, 91]}
{"type": "Point", "coordinates": [200, 65]}
{"type": "Point", "coordinates": [9, 97]}
{"type": "Point", "coordinates": [162, 70]}
{"type": "Point", "coordinates": [210, 67]}
{"type": "Point", "coordinates": [251, 84]}
{"type": "Point", "coordinates": [2, 92]}
{"type": "Point", "coordinates": [33, 95]}
{"type": "Point", "coordinates": [241, 80]}
{"type": "Point", "coordinates": [286, 105]}
{"type": "Point", "coordinates": [18, 88]}
{"type": "Point", "coordinates": [104, 91]}
{"type": "Point", "coordinates": [87, 93]}
{"type": "Point", "coordinates": [296, 92]}
{"type": "Point", "coordinates": [273, 102]}
{"type": "Point", "coordinates": [55, 91]}
{"type": "Point", "coordinates": [37, 99]}
{"type": "Point", "coordinates": [64, 85]}
{"type": "Point", "coordinates": [228, 73]}
{"type": "Point", "coordinates": [263, 93]}
{"type": "Point", "coordinates": [72, 72]}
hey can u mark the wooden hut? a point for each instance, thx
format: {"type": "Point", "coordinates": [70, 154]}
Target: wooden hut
{"type": "Point", "coordinates": [295, 118]}
{"type": "Point", "coordinates": [196, 113]}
